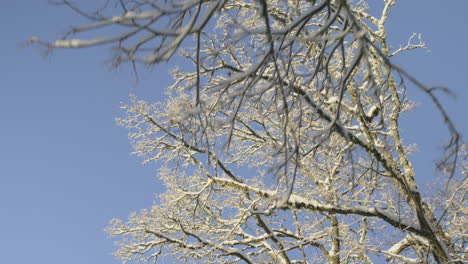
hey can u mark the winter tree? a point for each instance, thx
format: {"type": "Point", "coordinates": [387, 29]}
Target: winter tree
{"type": "Point", "coordinates": [280, 137]}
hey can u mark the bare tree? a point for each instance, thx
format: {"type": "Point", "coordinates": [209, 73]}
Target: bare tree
{"type": "Point", "coordinates": [283, 144]}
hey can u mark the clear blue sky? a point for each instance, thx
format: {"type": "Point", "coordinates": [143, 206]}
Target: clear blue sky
{"type": "Point", "coordinates": [66, 168]}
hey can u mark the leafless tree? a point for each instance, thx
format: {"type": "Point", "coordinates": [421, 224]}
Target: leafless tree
{"type": "Point", "coordinates": [283, 144]}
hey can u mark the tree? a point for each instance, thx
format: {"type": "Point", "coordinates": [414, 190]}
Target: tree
{"type": "Point", "coordinates": [283, 144]}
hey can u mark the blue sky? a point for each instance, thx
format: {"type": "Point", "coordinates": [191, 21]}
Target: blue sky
{"type": "Point", "coordinates": [66, 168]}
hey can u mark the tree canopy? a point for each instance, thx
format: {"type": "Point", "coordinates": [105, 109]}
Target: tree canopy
{"type": "Point", "coordinates": [280, 138]}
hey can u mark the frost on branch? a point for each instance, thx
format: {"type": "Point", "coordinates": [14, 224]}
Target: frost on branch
{"type": "Point", "coordinates": [283, 144]}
